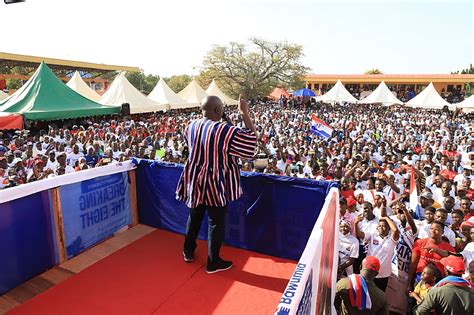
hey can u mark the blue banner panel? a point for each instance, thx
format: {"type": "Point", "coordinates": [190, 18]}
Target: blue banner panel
{"type": "Point", "coordinates": [94, 209]}
{"type": "Point", "coordinates": [27, 245]}
{"type": "Point", "coordinates": [275, 216]}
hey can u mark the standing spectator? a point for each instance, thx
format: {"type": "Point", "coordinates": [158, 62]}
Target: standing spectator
{"type": "Point", "coordinates": [348, 249]}
{"type": "Point", "coordinates": [423, 253]}
{"type": "Point", "coordinates": [372, 300]}
{"type": "Point", "coordinates": [381, 245]}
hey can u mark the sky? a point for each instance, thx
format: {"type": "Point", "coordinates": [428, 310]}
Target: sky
{"type": "Point", "coordinates": [171, 37]}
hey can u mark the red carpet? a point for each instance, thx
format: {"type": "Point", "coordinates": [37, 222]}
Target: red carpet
{"type": "Point", "coordinates": [150, 277]}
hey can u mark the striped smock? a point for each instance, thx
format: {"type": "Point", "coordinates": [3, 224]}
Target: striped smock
{"type": "Point", "coordinates": [211, 175]}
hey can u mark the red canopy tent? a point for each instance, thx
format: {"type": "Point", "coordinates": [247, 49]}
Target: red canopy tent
{"type": "Point", "coordinates": [10, 121]}
{"type": "Point", "coordinates": [278, 92]}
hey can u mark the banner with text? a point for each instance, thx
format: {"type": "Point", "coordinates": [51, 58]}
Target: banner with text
{"type": "Point", "coordinates": [311, 289]}
{"type": "Point", "coordinates": [94, 209]}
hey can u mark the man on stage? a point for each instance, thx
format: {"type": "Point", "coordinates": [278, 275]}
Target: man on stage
{"type": "Point", "coordinates": [211, 176]}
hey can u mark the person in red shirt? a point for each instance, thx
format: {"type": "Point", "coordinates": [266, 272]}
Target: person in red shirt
{"type": "Point", "coordinates": [450, 152]}
{"type": "Point", "coordinates": [466, 208]}
{"type": "Point", "coordinates": [423, 253]}
{"type": "Point", "coordinates": [449, 173]}
{"type": "Point", "coordinates": [346, 190]}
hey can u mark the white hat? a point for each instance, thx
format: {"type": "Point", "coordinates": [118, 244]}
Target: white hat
{"type": "Point", "coordinates": [389, 173]}
{"type": "Point", "coordinates": [358, 192]}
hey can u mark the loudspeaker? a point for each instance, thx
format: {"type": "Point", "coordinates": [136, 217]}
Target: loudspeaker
{"type": "Point", "coordinates": [125, 111]}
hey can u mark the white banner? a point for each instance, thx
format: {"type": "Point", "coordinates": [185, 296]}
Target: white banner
{"type": "Point", "coordinates": [47, 183]}
{"type": "Point", "coordinates": [311, 289]}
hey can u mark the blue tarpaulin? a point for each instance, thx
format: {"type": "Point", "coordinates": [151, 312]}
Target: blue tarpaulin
{"type": "Point", "coordinates": [27, 246]}
{"type": "Point", "coordinates": [275, 215]}
{"type": "Point", "coordinates": [93, 210]}
{"type": "Point", "coordinates": [304, 92]}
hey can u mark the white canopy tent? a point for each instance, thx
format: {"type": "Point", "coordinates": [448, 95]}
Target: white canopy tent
{"type": "Point", "coordinates": [467, 105]}
{"type": "Point", "coordinates": [122, 91]}
{"type": "Point", "coordinates": [3, 95]}
{"type": "Point", "coordinates": [164, 95]}
{"type": "Point", "coordinates": [381, 95]}
{"type": "Point", "coordinates": [193, 93]}
{"type": "Point", "coordinates": [336, 94]}
{"type": "Point", "coordinates": [429, 99]}
{"type": "Point", "coordinates": [77, 84]}
{"type": "Point", "coordinates": [214, 89]}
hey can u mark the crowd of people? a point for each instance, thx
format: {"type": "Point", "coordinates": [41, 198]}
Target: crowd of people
{"type": "Point", "coordinates": [375, 153]}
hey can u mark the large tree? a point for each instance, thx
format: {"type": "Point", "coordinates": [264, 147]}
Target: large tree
{"type": "Point", "coordinates": [373, 71]}
{"type": "Point", "coordinates": [253, 69]}
{"type": "Point", "coordinates": [468, 87]}
{"type": "Point", "coordinates": [142, 82]}
{"type": "Point", "coordinates": [178, 82]}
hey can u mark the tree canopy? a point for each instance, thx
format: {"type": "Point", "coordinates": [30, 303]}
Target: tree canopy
{"type": "Point", "coordinates": [142, 82]}
{"type": "Point", "coordinates": [253, 69]}
{"type": "Point", "coordinates": [373, 71]}
{"type": "Point", "coordinates": [178, 82]}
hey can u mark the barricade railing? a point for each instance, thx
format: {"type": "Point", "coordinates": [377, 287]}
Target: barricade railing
{"type": "Point", "coordinates": [45, 223]}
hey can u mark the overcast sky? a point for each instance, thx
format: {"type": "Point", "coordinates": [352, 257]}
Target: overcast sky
{"type": "Point", "coordinates": [171, 37]}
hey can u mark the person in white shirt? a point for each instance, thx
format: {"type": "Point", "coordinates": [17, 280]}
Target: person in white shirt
{"type": "Point", "coordinates": [61, 158]}
{"type": "Point", "coordinates": [348, 249]}
{"type": "Point", "coordinates": [52, 163]}
{"type": "Point", "coordinates": [38, 149]}
{"type": "Point", "coordinates": [465, 174]}
{"type": "Point", "coordinates": [380, 205]}
{"type": "Point", "coordinates": [441, 215]}
{"type": "Point", "coordinates": [74, 156]}
{"type": "Point", "coordinates": [367, 222]}
{"type": "Point", "coordinates": [381, 244]}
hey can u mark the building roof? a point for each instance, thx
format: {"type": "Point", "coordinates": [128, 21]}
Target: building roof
{"type": "Point", "coordinates": [60, 64]}
{"type": "Point", "coordinates": [395, 78]}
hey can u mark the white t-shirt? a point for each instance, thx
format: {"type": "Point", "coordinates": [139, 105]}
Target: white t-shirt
{"type": "Point", "coordinates": [383, 249]}
{"type": "Point", "coordinates": [348, 248]}
{"type": "Point", "coordinates": [72, 158]}
{"type": "Point", "coordinates": [368, 227]}
{"type": "Point", "coordinates": [468, 254]}
{"type": "Point", "coordinates": [403, 252]}
{"type": "Point", "coordinates": [281, 165]}
{"type": "Point", "coordinates": [51, 165]}
{"type": "Point", "coordinates": [68, 169]}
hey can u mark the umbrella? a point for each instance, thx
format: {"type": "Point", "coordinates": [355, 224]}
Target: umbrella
{"type": "Point", "coordinates": [304, 92]}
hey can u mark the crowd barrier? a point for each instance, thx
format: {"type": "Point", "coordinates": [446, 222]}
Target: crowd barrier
{"type": "Point", "coordinates": [47, 222]}
{"type": "Point", "coordinates": [311, 289]}
{"type": "Point", "coordinates": [275, 215]}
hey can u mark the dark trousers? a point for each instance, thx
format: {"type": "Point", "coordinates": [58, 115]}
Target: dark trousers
{"type": "Point", "coordinates": [381, 283]}
{"type": "Point", "coordinates": [215, 234]}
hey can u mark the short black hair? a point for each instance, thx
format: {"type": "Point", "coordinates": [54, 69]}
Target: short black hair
{"type": "Point", "coordinates": [439, 223]}
{"type": "Point", "coordinates": [430, 209]}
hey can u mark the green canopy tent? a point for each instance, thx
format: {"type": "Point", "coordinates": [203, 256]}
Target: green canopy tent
{"type": "Point", "coordinates": [45, 97]}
